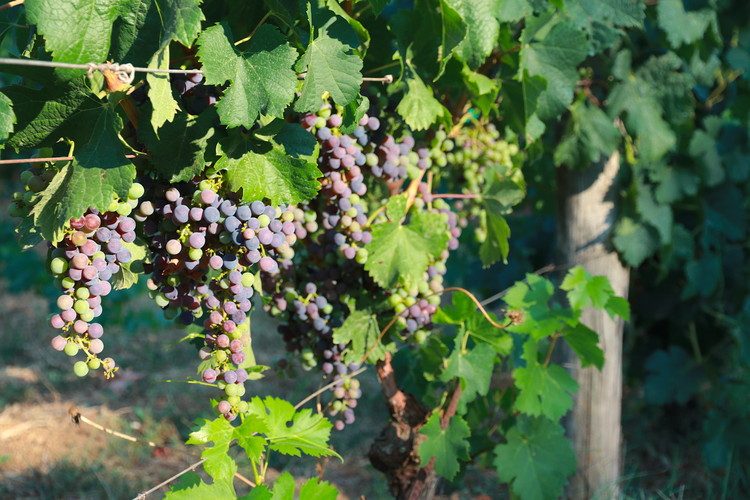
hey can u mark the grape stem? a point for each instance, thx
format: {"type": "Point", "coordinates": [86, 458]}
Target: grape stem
{"type": "Point", "coordinates": [248, 37]}
{"type": "Point", "coordinates": [457, 196]}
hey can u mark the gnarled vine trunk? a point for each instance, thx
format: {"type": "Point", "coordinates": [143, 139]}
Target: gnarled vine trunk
{"type": "Point", "coordinates": [586, 215]}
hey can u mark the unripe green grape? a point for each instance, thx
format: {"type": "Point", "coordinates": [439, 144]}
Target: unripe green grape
{"type": "Point", "coordinates": [83, 293]}
{"type": "Point", "coordinates": [264, 220]}
{"type": "Point", "coordinates": [221, 385]}
{"type": "Point", "coordinates": [399, 308]}
{"type": "Point", "coordinates": [420, 336]}
{"type": "Point", "coordinates": [173, 280]}
{"type": "Point", "coordinates": [124, 209]}
{"type": "Point", "coordinates": [225, 238]}
{"type": "Point", "coordinates": [71, 349]}
{"type": "Point", "coordinates": [81, 306]}
{"type": "Point", "coordinates": [87, 316]}
{"type": "Point", "coordinates": [243, 407]}
{"type": "Point", "coordinates": [80, 368]}
{"type": "Point", "coordinates": [248, 279]}
{"type": "Point", "coordinates": [58, 265]}
{"type": "Point", "coordinates": [231, 390]}
{"type": "Point", "coordinates": [136, 191]}
{"type": "Point", "coordinates": [221, 356]}
{"type": "Point", "coordinates": [161, 300]}
{"type": "Point", "coordinates": [26, 175]}
{"type": "Point", "coordinates": [195, 253]}
{"type": "Point", "coordinates": [395, 299]}
{"type": "Point", "coordinates": [234, 400]}
{"type": "Point", "coordinates": [94, 363]}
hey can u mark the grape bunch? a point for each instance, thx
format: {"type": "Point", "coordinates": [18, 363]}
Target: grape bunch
{"type": "Point", "coordinates": [194, 94]}
{"type": "Point", "coordinates": [205, 252]}
{"type": "Point", "coordinates": [84, 264]}
{"type": "Point", "coordinates": [35, 181]}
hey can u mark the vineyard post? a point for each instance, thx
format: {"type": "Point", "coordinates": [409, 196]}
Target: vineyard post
{"type": "Point", "coordinates": [587, 212]}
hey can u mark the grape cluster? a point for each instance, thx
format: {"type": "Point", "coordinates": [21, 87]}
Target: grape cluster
{"type": "Point", "coordinates": [84, 263]}
{"type": "Point", "coordinates": [204, 252]}
{"type": "Point", "coordinates": [194, 94]}
{"type": "Point", "coordinates": [35, 181]}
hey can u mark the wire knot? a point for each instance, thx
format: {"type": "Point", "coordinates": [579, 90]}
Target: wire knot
{"type": "Point", "coordinates": [124, 72]}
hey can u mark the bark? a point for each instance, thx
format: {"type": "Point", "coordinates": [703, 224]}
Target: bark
{"type": "Point", "coordinates": [394, 451]}
{"type": "Point", "coordinates": [586, 216]}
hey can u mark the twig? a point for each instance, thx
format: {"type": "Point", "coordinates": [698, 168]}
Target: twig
{"type": "Point", "coordinates": [248, 37]}
{"type": "Point", "coordinates": [78, 418]}
{"type": "Point", "coordinates": [384, 79]}
{"type": "Point", "coordinates": [326, 387]}
{"type": "Point", "coordinates": [456, 196]}
{"type": "Point", "coordinates": [142, 496]}
{"type": "Point", "coordinates": [11, 4]}
{"type": "Point", "coordinates": [450, 410]}
{"type": "Point", "coordinates": [43, 160]}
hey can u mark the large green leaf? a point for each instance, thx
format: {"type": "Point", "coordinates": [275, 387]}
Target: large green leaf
{"type": "Point", "coordinates": [293, 432]}
{"type": "Point", "coordinates": [482, 29]}
{"type": "Point", "coordinates": [474, 369]}
{"type": "Point", "coordinates": [361, 331]}
{"type": "Point", "coordinates": [98, 173]}
{"type": "Point", "coordinates": [544, 389]}
{"type": "Point", "coordinates": [75, 31]}
{"type": "Point", "coordinates": [262, 78]}
{"type": "Point", "coordinates": [553, 55]}
{"type": "Point", "coordinates": [267, 173]}
{"type": "Point", "coordinates": [448, 446]}
{"type": "Point", "coordinates": [7, 118]}
{"type": "Point", "coordinates": [192, 487]}
{"type": "Point", "coordinates": [160, 91]}
{"type": "Point", "coordinates": [419, 108]}
{"type": "Point", "coordinates": [536, 459]}
{"type": "Point", "coordinates": [178, 153]}
{"type": "Point", "coordinates": [42, 113]}
{"type": "Point", "coordinates": [400, 252]}
{"type": "Point", "coordinates": [683, 26]}
{"type": "Point", "coordinates": [218, 463]}
{"type": "Point", "coordinates": [329, 66]}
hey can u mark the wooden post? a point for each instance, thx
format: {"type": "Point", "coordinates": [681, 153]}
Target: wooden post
{"type": "Point", "coordinates": [586, 214]}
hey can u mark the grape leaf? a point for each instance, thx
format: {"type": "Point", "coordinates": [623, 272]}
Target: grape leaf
{"type": "Point", "coordinates": [192, 487]}
{"type": "Point", "coordinates": [553, 56]}
{"type": "Point", "coordinates": [495, 246]}
{"type": "Point", "coordinates": [634, 241]}
{"type": "Point", "coordinates": [672, 376]}
{"type": "Point", "coordinates": [253, 445]}
{"type": "Point", "coordinates": [76, 31]}
{"type": "Point", "coordinates": [590, 134]}
{"type": "Point", "coordinates": [584, 342]}
{"type": "Point", "coordinates": [453, 33]}
{"type": "Point", "coordinates": [218, 464]}
{"type": "Point", "coordinates": [296, 141]}
{"type": "Point", "coordinates": [482, 29]}
{"type": "Point", "coordinates": [267, 173]}
{"type": "Point", "coordinates": [447, 446]}
{"type": "Point", "coordinates": [644, 117]}
{"type": "Point", "coordinates": [502, 190]}
{"type": "Point", "coordinates": [98, 173]}
{"type": "Point", "coordinates": [584, 289]}
{"type": "Point", "coordinates": [404, 252]}
{"type": "Point", "coordinates": [178, 153]}
{"type": "Point", "coordinates": [316, 490]}
{"type": "Point", "coordinates": [361, 329]}
{"type": "Point", "coordinates": [41, 113]}
{"type": "Point", "coordinates": [464, 312]}
{"type": "Point", "coordinates": [262, 78]}
{"type": "Point", "coordinates": [293, 432]}
{"type": "Point", "coordinates": [330, 67]}
{"type": "Point", "coordinates": [418, 107]}
{"type": "Point", "coordinates": [473, 367]}
{"type": "Point", "coordinates": [544, 390]}
{"type": "Point", "coordinates": [160, 91]}
{"type": "Point", "coordinates": [284, 487]}
{"type": "Point", "coordinates": [539, 319]}
{"type": "Point", "coordinates": [353, 113]}
{"type": "Point", "coordinates": [462, 309]}
{"type": "Point", "coordinates": [682, 26]}
{"type": "Point", "coordinates": [536, 459]}
{"type": "Point", "coordinates": [7, 118]}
